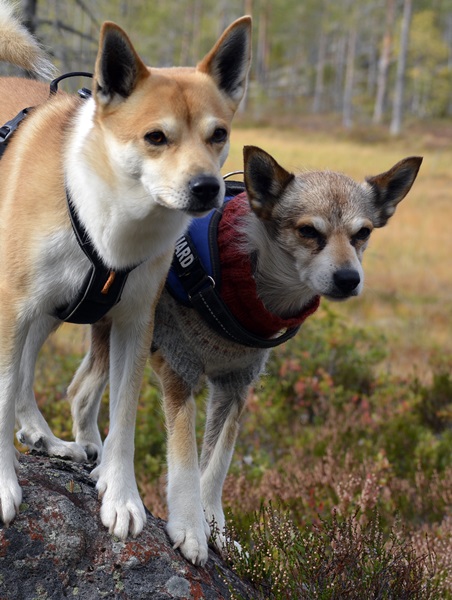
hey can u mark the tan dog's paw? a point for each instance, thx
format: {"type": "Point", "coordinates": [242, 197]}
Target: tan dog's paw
{"type": "Point", "coordinates": [191, 541]}
{"type": "Point", "coordinates": [10, 496]}
{"type": "Point", "coordinates": [51, 445]}
{"type": "Point", "coordinates": [122, 510]}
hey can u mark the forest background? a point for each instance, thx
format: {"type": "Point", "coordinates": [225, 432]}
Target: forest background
{"type": "Point", "coordinates": [350, 431]}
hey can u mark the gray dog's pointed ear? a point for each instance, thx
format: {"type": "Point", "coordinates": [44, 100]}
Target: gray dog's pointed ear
{"type": "Point", "coordinates": [391, 187]}
{"type": "Point", "coordinates": [265, 180]}
{"type": "Point", "coordinates": [229, 60]}
{"type": "Point", "coordinates": [118, 67]}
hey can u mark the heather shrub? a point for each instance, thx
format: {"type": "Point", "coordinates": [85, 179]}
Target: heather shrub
{"type": "Point", "coordinates": [336, 558]}
{"type": "Point", "coordinates": [342, 444]}
{"type": "Point", "coordinates": [322, 392]}
{"type": "Point", "coordinates": [435, 401]}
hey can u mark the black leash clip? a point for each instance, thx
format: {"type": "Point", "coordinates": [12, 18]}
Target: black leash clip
{"type": "Point", "coordinates": [10, 127]}
{"type": "Point", "coordinates": [7, 130]}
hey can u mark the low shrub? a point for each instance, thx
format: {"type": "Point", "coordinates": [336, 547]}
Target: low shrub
{"type": "Point", "coordinates": [341, 443]}
{"type": "Point", "coordinates": [339, 557]}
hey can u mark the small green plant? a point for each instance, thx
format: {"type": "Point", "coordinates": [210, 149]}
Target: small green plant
{"type": "Point", "coordinates": [338, 558]}
{"type": "Point", "coordinates": [435, 401]}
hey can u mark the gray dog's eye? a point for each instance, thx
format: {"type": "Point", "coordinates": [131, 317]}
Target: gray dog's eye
{"type": "Point", "coordinates": [362, 234]}
{"type": "Point", "coordinates": [310, 232]}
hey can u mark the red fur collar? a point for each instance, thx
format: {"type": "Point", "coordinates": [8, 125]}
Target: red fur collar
{"type": "Point", "coordinates": [238, 286]}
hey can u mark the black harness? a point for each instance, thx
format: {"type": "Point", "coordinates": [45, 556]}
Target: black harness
{"type": "Point", "coordinates": [102, 287]}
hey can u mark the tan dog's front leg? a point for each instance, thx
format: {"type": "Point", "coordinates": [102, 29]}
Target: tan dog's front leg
{"type": "Point", "coordinates": [187, 526]}
{"type": "Point", "coordinates": [122, 509]}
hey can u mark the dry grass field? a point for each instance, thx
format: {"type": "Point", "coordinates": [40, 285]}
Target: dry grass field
{"type": "Point", "coordinates": [408, 292]}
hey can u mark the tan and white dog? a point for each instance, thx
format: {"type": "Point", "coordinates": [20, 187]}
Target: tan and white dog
{"type": "Point", "coordinates": [139, 158]}
{"type": "Point", "coordinates": [306, 235]}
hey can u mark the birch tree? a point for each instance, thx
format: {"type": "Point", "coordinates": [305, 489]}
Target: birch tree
{"type": "Point", "coordinates": [397, 109]}
{"type": "Point", "coordinates": [347, 110]}
{"type": "Point", "coordinates": [384, 62]}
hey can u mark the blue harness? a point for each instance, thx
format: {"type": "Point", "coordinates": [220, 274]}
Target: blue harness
{"type": "Point", "coordinates": [196, 261]}
{"type": "Point", "coordinates": [194, 278]}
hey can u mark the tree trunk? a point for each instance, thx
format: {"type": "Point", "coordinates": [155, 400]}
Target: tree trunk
{"type": "Point", "coordinates": [383, 64]}
{"type": "Point", "coordinates": [449, 59]}
{"type": "Point", "coordinates": [320, 68]}
{"type": "Point", "coordinates": [339, 68]}
{"type": "Point", "coordinates": [262, 53]}
{"type": "Point", "coordinates": [397, 109]}
{"type": "Point", "coordinates": [347, 110]}
{"type": "Point", "coordinates": [197, 33]}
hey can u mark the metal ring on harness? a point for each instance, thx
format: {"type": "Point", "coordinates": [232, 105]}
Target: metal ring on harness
{"type": "Point", "coordinates": [199, 287]}
{"type": "Point", "coordinates": [232, 173]}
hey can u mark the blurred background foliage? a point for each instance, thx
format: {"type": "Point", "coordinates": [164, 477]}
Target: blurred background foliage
{"type": "Point", "coordinates": [317, 56]}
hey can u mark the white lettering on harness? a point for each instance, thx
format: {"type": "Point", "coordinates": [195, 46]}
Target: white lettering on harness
{"type": "Point", "coordinates": [183, 253]}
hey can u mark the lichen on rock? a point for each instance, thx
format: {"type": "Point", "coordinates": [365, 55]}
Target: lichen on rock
{"type": "Point", "coordinates": [58, 548]}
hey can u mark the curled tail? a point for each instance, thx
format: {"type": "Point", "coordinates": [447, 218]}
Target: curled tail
{"type": "Point", "coordinates": [19, 47]}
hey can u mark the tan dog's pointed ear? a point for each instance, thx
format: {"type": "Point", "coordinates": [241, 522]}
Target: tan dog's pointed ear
{"type": "Point", "coordinates": [229, 60]}
{"type": "Point", "coordinates": [391, 187]}
{"type": "Point", "coordinates": [265, 181]}
{"type": "Point", "coordinates": [118, 66]}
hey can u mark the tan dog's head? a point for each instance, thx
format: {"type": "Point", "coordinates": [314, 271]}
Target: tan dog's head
{"type": "Point", "coordinates": [321, 221]}
{"type": "Point", "coordinates": [167, 129]}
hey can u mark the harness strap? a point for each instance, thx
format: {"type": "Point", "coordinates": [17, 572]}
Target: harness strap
{"type": "Point", "coordinates": [9, 128]}
{"type": "Point", "coordinates": [101, 288]}
{"type": "Point", "coordinates": [203, 293]}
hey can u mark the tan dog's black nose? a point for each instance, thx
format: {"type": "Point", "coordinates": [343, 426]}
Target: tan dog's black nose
{"type": "Point", "coordinates": [346, 280]}
{"type": "Point", "coordinates": [204, 192]}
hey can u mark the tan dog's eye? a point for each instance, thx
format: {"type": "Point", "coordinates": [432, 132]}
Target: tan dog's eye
{"type": "Point", "coordinates": [219, 136]}
{"type": "Point", "coordinates": [156, 138]}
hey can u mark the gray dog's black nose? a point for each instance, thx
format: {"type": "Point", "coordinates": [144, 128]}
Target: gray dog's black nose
{"type": "Point", "coordinates": [346, 280]}
{"type": "Point", "coordinates": [204, 188]}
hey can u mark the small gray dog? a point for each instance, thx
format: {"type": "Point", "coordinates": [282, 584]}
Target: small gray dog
{"type": "Point", "coordinates": [284, 243]}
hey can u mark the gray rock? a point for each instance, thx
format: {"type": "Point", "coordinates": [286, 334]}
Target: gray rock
{"type": "Point", "coordinates": [57, 548]}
